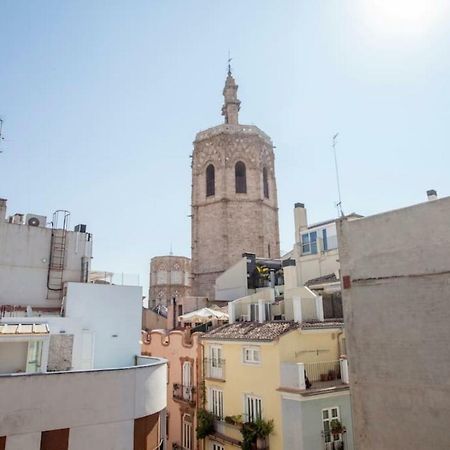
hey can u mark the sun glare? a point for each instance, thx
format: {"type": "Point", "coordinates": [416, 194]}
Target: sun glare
{"type": "Point", "coordinates": [406, 16]}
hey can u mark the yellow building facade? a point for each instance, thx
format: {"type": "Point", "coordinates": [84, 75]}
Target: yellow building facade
{"type": "Point", "coordinates": [249, 366]}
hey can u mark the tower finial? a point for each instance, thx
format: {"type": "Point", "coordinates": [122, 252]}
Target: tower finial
{"type": "Point", "coordinates": [231, 106]}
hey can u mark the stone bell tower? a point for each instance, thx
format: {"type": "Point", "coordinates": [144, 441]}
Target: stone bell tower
{"type": "Point", "coordinates": [234, 196]}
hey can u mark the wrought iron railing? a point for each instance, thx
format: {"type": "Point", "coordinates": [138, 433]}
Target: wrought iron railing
{"type": "Point", "coordinates": [184, 393]}
{"type": "Point", "coordinates": [323, 371]}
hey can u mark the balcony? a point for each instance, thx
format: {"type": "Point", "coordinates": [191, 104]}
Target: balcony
{"type": "Point", "coordinates": [314, 377]}
{"type": "Point", "coordinates": [323, 371]}
{"type": "Point", "coordinates": [184, 393]}
{"type": "Point", "coordinates": [214, 368]}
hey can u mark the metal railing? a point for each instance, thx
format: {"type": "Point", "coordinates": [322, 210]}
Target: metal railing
{"type": "Point", "coordinates": [323, 371]}
{"type": "Point", "coordinates": [184, 393]}
{"type": "Point", "coordinates": [214, 368]}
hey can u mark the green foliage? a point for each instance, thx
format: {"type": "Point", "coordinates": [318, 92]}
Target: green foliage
{"type": "Point", "coordinates": [336, 427]}
{"type": "Point", "coordinates": [252, 430]}
{"type": "Point", "coordinates": [234, 420]}
{"type": "Point", "coordinates": [205, 423]}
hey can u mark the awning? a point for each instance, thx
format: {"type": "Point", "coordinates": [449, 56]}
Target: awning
{"type": "Point", "coordinates": [7, 329]}
{"type": "Point", "coordinates": [203, 315]}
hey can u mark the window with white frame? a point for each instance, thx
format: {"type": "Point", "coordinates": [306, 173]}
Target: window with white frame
{"type": "Point", "coordinates": [253, 408]}
{"type": "Point", "coordinates": [216, 402]}
{"type": "Point", "coordinates": [216, 446]}
{"type": "Point", "coordinates": [187, 432]}
{"type": "Point", "coordinates": [251, 355]}
{"type": "Point", "coordinates": [309, 243]}
{"type": "Point", "coordinates": [328, 415]}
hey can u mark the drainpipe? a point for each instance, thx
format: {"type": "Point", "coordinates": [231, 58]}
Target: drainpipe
{"type": "Point", "coordinates": [174, 312]}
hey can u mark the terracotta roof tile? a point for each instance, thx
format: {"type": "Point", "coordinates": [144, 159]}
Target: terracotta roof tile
{"type": "Point", "coordinates": [251, 331]}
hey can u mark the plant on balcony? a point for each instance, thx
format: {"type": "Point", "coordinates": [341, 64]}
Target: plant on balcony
{"type": "Point", "coordinates": [337, 427]}
{"type": "Point", "coordinates": [205, 423]}
{"type": "Point", "coordinates": [234, 420]}
{"type": "Point", "coordinates": [257, 431]}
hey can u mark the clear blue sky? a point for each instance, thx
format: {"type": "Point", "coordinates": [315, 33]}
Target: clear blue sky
{"type": "Point", "coordinates": [102, 100]}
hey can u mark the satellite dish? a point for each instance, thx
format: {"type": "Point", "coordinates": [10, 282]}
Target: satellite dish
{"type": "Point", "coordinates": [33, 221]}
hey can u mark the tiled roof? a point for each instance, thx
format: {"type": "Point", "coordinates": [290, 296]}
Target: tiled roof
{"type": "Point", "coordinates": [330, 278]}
{"type": "Point", "coordinates": [334, 323]}
{"type": "Point", "coordinates": [251, 331]}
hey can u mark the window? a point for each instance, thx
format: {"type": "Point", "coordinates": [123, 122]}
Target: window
{"type": "Point", "coordinates": [324, 240]}
{"type": "Point", "coordinates": [187, 432]}
{"type": "Point", "coordinates": [216, 402]}
{"type": "Point", "coordinates": [55, 439]}
{"type": "Point", "coordinates": [187, 391]}
{"type": "Point", "coordinates": [216, 363]}
{"type": "Point", "coordinates": [210, 181]}
{"type": "Point", "coordinates": [252, 355]}
{"type": "Point", "coordinates": [254, 312]}
{"type": "Point", "coordinates": [253, 408]}
{"type": "Point", "coordinates": [328, 415]}
{"type": "Point", "coordinates": [309, 243]}
{"type": "Point", "coordinates": [265, 184]}
{"type": "Point", "coordinates": [216, 446]}
{"type": "Point", "coordinates": [241, 178]}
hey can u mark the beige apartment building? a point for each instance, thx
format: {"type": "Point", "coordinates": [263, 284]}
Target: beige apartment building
{"type": "Point", "coordinates": [396, 289]}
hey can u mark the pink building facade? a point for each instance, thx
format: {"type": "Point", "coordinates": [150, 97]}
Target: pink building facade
{"type": "Point", "coordinates": [183, 352]}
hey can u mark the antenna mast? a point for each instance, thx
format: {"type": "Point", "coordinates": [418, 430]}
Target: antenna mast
{"type": "Point", "coordinates": [1, 135]}
{"type": "Point", "coordinates": [339, 204]}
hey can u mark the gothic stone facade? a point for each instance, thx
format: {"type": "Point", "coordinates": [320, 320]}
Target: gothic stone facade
{"type": "Point", "coordinates": [170, 276]}
{"type": "Point", "coordinates": [227, 219]}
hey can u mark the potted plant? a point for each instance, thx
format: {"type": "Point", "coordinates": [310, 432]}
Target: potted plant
{"type": "Point", "coordinates": [263, 429]}
{"type": "Point", "coordinates": [337, 428]}
{"type": "Point", "coordinates": [256, 432]}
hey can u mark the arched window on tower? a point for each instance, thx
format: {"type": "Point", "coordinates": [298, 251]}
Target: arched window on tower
{"type": "Point", "coordinates": [210, 181]}
{"type": "Point", "coordinates": [265, 183]}
{"type": "Point", "coordinates": [241, 178]}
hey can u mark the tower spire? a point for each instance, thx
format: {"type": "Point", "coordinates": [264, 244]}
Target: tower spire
{"type": "Point", "coordinates": [231, 106]}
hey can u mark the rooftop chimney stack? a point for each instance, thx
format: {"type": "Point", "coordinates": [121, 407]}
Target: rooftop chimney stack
{"type": "Point", "coordinates": [3, 209]}
{"type": "Point", "coordinates": [300, 220]}
{"type": "Point", "coordinates": [432, 195]}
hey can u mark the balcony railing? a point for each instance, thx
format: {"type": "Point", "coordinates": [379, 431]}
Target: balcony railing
{"type": "Point", "coordinates": [323, 371]}
{"type": "Point", "coordinates": [214, 368]}
{"type": "Point", "coordinates": [183, 393]}
{"type": "Point", "coordinates": [330, 443]}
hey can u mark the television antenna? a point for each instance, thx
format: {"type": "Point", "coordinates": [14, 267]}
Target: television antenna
{"type": "Point", "coordinates": [339, 204]}
{"type": "Point", "coordinates": [1, 135]}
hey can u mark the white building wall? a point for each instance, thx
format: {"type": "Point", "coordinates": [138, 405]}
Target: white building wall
{"type": "Point", "coordinates": [24, 262]}
{"type": "Point", "coordinates": [111, 436]}
{"type": "Point", "coordinates": [113, 315]}
{"type": "Point", "coordinates": [98, 405]}
{"type": "Point", "coordinates": [29, 441]}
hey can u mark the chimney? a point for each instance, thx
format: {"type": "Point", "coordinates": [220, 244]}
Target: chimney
{"type": "Point", "coordinates": [3, 209]}
{"type": "Point", "coordinates": [300, 220]}
{"type": "Point", "coordinates": [432, 194]}
{"type": "Point", "coordinates": [290, 274]}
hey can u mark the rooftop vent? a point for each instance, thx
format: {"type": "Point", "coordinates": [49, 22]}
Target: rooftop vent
{"type": "Point", "coordinates": [432, 194]}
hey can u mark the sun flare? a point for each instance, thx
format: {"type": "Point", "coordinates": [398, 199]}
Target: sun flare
{"type": "Point", "coordinates": [406, 16]}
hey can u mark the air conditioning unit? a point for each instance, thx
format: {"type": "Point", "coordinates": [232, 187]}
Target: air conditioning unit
{"type": "Point", "coordinates": [34, 220]}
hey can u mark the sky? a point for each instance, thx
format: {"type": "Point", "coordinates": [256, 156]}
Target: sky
{"type": "Point", "coordinates": [102, 100]}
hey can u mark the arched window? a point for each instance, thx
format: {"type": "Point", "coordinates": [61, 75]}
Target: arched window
{"type": "Point", "coordinates": [241, 179]}
{"type": "Point", "coordinates": [265, 183]}
{"type": "Point", "coordinates": [210, 181]}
